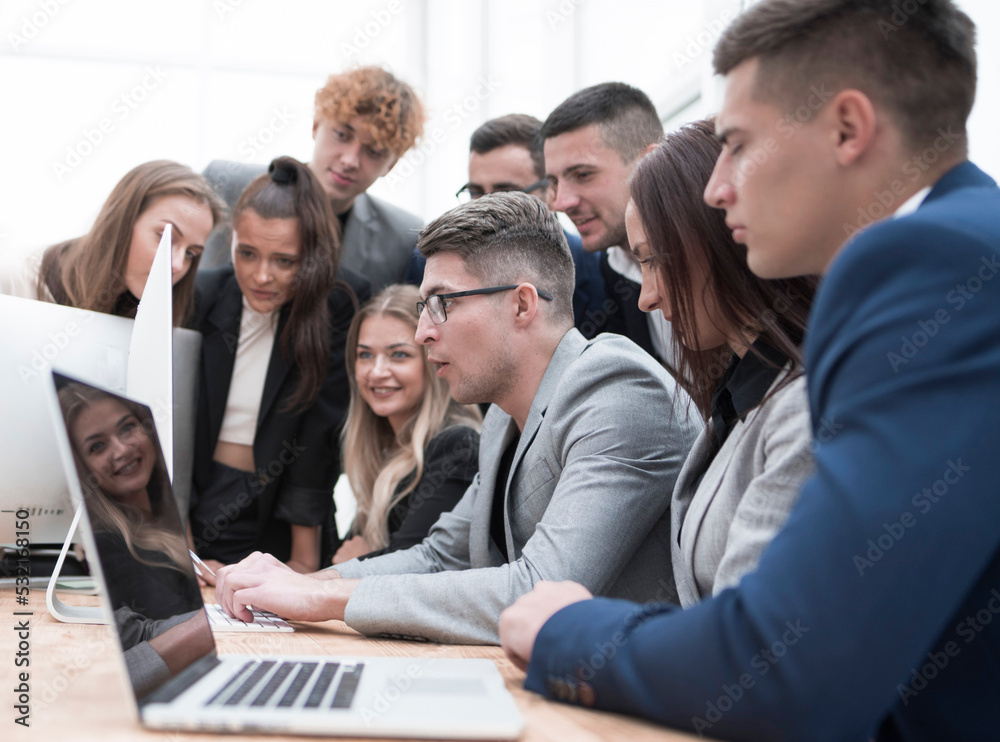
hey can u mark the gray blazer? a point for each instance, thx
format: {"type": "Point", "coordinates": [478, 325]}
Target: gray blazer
{"type": "Point", "coordinates": [585, 500]}
{"type": "Point", "coordinates": [721, 528]}
{"type": "Point", "coordinates": [378, 237]}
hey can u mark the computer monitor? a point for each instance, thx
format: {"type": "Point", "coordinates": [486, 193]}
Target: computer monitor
{"type": "Point", "coordinates": [94, 347]}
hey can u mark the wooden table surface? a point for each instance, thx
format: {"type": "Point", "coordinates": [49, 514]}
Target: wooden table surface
{"type": "Point", "coordinates": [78, 689]}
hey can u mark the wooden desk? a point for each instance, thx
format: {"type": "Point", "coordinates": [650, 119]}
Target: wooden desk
{"type": "Point", "coordinates": [78, 689]}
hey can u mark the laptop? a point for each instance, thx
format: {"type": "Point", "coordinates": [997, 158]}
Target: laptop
{"type": "Point", "coordinates": [115, 469]}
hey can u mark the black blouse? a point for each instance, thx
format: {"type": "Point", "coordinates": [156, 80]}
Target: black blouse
{"type": "Point", "coordinates": [451, 461]}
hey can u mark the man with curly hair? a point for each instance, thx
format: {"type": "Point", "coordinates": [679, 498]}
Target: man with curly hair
{"type": "Point", "coordinates": [365, 120]}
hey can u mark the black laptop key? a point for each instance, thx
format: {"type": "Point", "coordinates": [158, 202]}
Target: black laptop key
{"type": "Point", "coordinates": [298, 683]}
{"type": "Point", "coordinates": [250, 683]}
{"type": "Point", "coordinates": [326, 676]}
{"type": "Point", "coordinates": [274, 683]}
{"type": "Point", "coordinates": [230, 683]}
{"type": "Point", "coordinates": [347, 688]}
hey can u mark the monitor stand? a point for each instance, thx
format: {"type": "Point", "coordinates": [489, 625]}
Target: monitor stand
{"type": "Point", "coordinates": [59, 610]}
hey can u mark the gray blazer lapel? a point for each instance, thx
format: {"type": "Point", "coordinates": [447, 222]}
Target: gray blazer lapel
{"type": "Point", "coordinates": [571, 346]}
{"type": "Point", "coordinates": [680, 503]}
{"type": "Point", "coordinates": [498, 431]}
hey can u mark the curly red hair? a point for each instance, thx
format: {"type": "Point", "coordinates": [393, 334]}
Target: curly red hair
{"type": "Point", "coordinates": [395, 115]}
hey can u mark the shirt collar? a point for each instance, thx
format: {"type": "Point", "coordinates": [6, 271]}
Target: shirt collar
{"type": "Point", "coordinates": [912, 203]}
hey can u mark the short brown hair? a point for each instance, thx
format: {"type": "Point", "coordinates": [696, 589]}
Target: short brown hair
{"type": "Point", "coordinates": [519, 129]}
{"type": "Point", "coordinates": [625, 117]}
{"type": "Point", "coordinates": [916, 58]}
{"type": "Point", "coordinates": [394, 112]}
{"type": "Point", "coordinates": [506, 238]}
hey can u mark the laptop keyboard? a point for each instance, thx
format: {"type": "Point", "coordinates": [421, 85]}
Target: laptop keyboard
{"type": "Point", "coordinates": [262, 621]}
{"type": "Point", "coordinates": [257, 684]}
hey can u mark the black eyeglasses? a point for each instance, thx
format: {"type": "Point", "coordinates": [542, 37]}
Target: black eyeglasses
{"type": "Point", "coordinates": [435, 303]}
{"type": "Point", "coordinates": [470, 192]}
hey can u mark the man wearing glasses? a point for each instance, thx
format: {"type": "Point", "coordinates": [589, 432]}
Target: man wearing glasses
{"type": "Point", "coordinates": [577, 457]}
{"type": "Point", "coordinates": [505, 154]}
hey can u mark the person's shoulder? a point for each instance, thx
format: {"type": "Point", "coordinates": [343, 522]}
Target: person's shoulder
{"type": "Point", "coordinates": [400, 219]}
{"type": "Point", "coordinates": [611, 353]}
{"type": "Point", "coordinates": [456, 444]}
{"type": "Point", "coordinates": [454, 437]}
{"type": "Point", "coordinates": [358, 284]}
{"type": "Point", "coordinates": [786, 402]}
{"type": "Point", "coordinates": [212, 285]}
{"type": "Point", "coordinates": [611, 371]}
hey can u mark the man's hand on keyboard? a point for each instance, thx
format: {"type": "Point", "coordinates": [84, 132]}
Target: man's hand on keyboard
{"type": "Point", "coordinates": [267, 584]}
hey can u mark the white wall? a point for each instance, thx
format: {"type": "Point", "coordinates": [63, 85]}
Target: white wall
{"type": "Point", "coordinates": [195, 80]}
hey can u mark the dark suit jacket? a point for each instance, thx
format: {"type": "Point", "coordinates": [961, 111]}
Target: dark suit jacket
{"type": "Point", "coordinates": [876, 610]}
{"type": "Point", "coordinates": [296, 453]}
{"type": "Point", "coordinates": [622, 312]}
{"type": "Point", "coordinates": [378, 237]}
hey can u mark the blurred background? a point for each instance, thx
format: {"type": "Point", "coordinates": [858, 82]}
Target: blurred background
{"type": "Point", "coordinates": [91, 88]}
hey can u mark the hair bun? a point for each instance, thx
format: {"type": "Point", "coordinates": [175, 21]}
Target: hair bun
{"type": "Point", "coordinates": [282, 171]}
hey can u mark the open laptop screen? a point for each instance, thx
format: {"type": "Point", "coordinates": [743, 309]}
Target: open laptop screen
{"type": "Point", "coordinates": [137, 532]}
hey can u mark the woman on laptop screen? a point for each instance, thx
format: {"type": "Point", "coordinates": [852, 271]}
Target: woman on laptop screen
{"type": "Point", "coordinates": [273, 387]}
{"type": "Point", "coordinates": [124, 482]}
{"type": "Point", "coordinates": [409, 450]}
{"type": "Point", "coordinates": [105, 270]}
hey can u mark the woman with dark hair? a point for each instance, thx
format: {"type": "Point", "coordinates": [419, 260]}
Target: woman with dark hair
{"type": "Point", "coordinates": [273, 387]}
{"type": "Point", "coordinates": [409, 450]}
{"type": "Point", "coordinates": [737, 339]}
{"type": "Point", "coordinates": [105, 270]}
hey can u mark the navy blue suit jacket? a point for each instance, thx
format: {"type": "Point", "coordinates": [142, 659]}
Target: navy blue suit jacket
{"type": "Point", "coordinates": [876, 610]}
{"type": "Point", "coordinates": [589, 311]}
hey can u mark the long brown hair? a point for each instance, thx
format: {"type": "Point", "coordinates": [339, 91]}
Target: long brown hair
{"type": "Point", "coordinates": [375, 459]}
{"type": "Point", "coordinates": [683, 232]}
{"type": "Point", "coordinates": [88, 272]}
{"type": "Point", "coordinates": [289, 190]}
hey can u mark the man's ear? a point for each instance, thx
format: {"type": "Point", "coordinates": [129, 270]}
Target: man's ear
{"type": "Point", "coordinates": [854, 123]}
{"type": "Point", "coordinates": [315, 127]}
{"type": "Point", "coordinates": [526, 304]}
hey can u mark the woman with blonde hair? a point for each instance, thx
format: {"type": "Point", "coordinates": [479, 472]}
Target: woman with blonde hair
{"type": "Point", "coordinates": [124, 479]}
{"type": "Point", "coordinates": [105, 270]}
{"type": "Point", "coordinates": [409, 450]}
